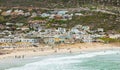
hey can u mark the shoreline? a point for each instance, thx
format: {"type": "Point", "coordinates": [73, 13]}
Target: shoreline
{"type": "Point", "coordinates": [61, 49]}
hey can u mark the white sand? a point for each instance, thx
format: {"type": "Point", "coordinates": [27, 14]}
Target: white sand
{"type": "Point", "coordinates": [71, 48]}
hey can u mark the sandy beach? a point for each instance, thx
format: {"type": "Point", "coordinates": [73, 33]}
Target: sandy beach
{"type": "Point", "coordinates": [60, 49]}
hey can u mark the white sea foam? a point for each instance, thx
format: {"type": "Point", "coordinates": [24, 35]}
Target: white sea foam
{"type": "Point", "coordinates": [61, 61]}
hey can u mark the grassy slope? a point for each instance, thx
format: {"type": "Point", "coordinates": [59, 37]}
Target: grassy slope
{"type": "Point", "coordinates": [107, 21]}
{"type": "Point", "coordinates": [55, 3]}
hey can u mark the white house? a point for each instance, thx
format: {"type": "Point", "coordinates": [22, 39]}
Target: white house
{"type": "Point", "coordinates": [45, 15]}
{"type": "Point", "coordinates": [62, 12]}
{"type": "Point", "coordinates": [0, 10]}
{"type": "Point", "coordinates": [27, 14]}
{"type": "Point", "coordinates": [62, 30]}
{"type": "Point", "coordinates": [25, 28]}
{"type": "Point", "coordinates": [10, 23]}
{"type": "Point", "coordinates": [74, 30]}
{"type": "Point", "coordinates": [115, 36]}
{"type": "Point", "coordinates": [6, 40]}
{"type": "Point", "coordinates": [19, 24]}
{"type": "Point", "coordinates": [78, 14]}
{"type": "Point", "coordinates": [34, 14]}
{"type": "Point", "coordinates": [85, 27]}
{"type": "Point", "coordinates": [87, 38]}
{"type": "Point", "coordinates": [19, 12]}
{"type": "Point", "coordinates": [100, 29]}
{"type": "Point", "coordinates": [8, 12]}
{"type": "Point", "coordinates": [28, 40]}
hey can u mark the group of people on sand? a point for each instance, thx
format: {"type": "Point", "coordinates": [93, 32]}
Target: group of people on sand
{"type": "Point", "coordinates": [69, 50]}
{"type": "Point", "coordinates": [20, 56]}
{"type": "Point", "coordinates": [55, 49]}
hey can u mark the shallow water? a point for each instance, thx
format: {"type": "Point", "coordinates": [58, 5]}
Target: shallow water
{"type": "Point", "coordinates": [109, 60]}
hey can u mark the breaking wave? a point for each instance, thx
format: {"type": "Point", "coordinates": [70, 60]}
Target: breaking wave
{"type": "Point", "coordinates": [58, 63]}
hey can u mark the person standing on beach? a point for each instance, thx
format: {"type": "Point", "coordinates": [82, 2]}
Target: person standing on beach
{"type": "Point", "coordinates": [22, 56]}
{"type": "Point", "coordinates": [70, 51]}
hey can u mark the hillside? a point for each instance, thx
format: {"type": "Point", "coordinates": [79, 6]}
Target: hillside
{"type": "Point", "coordinates": [57, 3]}
{"type": "Point", "coordinates": [91, 18]}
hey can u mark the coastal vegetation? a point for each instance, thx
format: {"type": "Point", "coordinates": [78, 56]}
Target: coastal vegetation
{"type": "Point", "coordinates": [109, 40]}
{"type": "Point", "coordinates": [90, 18]}
{"type": "Point", "coordinates": [2, 19]}
{"type": "Point", "coordinates": [95, 19]}
{"type": "Point", "coordinates": [57, 3]}
{"type": "Point", "coordinates": [40, 18]}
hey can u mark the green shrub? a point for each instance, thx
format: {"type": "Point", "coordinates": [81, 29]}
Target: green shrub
{"type": "Point", "coordinates": [109, 40]}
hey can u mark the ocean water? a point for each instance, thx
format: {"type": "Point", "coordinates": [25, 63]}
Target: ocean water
{"type": "Point", "coordinates": [101, 60]}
